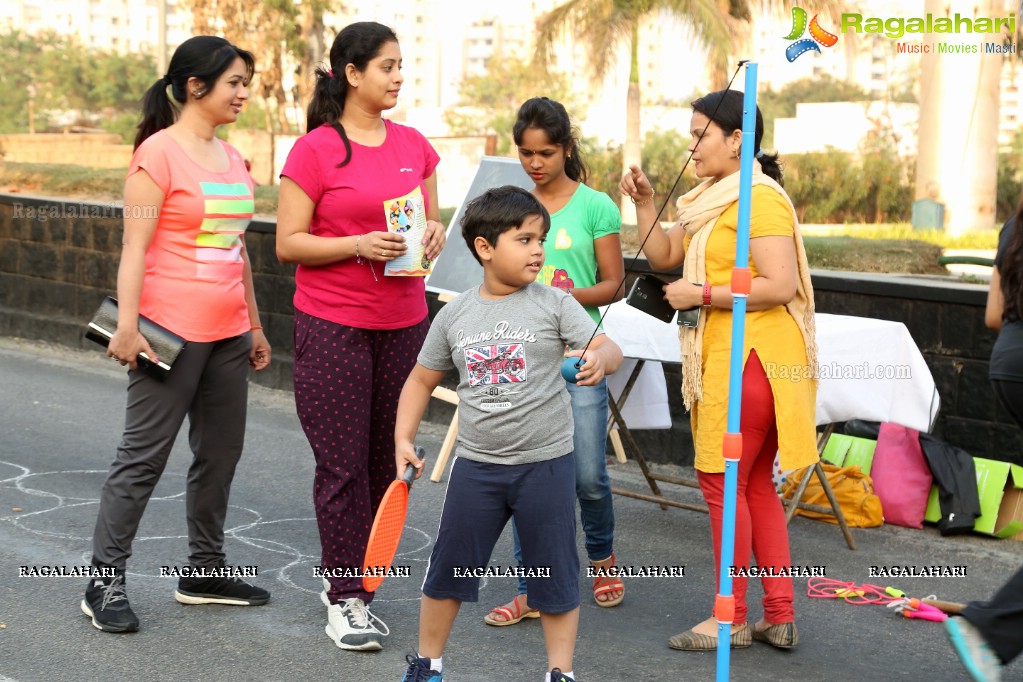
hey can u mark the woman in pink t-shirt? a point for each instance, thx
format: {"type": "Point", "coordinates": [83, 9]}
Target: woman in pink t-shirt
{"type": "Point", "coordinates": [187, 202]}
{"type": "Point", "coordinates": [357, 330]}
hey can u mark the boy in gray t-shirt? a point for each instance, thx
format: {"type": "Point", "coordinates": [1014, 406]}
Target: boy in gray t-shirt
{"type": "Point", "coordinates": [507, 339]}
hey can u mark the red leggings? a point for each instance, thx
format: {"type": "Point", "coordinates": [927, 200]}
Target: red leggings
{"type": "Point", "coordinates": [759, 517]}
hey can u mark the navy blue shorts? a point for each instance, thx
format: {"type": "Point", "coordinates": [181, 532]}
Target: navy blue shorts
{"type": "Point", "coordinates": [479, 501]}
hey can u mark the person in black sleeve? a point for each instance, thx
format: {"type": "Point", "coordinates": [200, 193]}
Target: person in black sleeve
{"type": "Point", "coordinates": [989, 635]}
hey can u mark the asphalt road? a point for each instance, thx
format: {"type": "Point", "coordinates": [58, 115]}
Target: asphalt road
{"type": "Point", "coordinates": [61, 412]}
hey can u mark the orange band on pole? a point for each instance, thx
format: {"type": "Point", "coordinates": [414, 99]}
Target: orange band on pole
{"type": "Point", "coordinates": [724, 608]}
{"type": "Point", "coordinates": [732, 448]}
{"type": "Point", "coordinates": [741, 281]}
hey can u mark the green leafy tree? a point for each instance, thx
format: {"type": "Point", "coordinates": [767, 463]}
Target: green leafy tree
{"type": "Point", "coordinates": [838, 187]}
{"type": "Point", "coordinates": [889, 179]}
{"type": "Point", "coordinates": [604, 163]}
{"type": "Point", "coordinates": [664, 153]}
{"type": "Point", "coordinates": [56, 74]}
{"type": "Point", "coordinates": [823, 186]}
{"type": "Point", "coordinates": [33, 84]}
{"type": "Point", "coordinates": [489, 102]}
{"type": "Point", "coordinates": [118, 81]}
{"type": "Point", "coordinates": [1010, 182]}
{"type": "Point", "coordinates": [823, 88]}
{"type": "Point", "coordinates": [125, 125]}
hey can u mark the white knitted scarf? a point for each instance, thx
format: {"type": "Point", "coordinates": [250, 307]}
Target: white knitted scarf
{"type": "Point", "coordinates": [700, 208]}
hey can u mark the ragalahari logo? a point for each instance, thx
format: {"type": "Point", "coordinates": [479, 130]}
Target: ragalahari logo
{"type": "Point", "coordinates": [818, 36]}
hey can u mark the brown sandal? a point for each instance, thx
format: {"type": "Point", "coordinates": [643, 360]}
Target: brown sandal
{"type": "Point", "coordinates": [511, 613]}
{"type": "Point", "coordinates": [603, 584]}
{"type": "Point", "coordinates": [694, 641]}
{"type": "Point", "coordinates": [779, 635]}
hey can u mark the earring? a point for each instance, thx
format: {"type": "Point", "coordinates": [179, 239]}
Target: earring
{"type": "Point", "coordinates": [735, 153]}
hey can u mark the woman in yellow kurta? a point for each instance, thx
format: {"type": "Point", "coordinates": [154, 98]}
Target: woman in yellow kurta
{"type": "Point", "coordinates": [779, 378]}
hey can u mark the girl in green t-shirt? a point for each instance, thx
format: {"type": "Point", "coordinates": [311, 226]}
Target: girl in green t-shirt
{"type": "Point", "coordinates": [584, 258]}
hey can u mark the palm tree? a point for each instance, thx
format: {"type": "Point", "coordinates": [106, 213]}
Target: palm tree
{"type": "Point", "coordinates": [957, 159]}
{"type": "Point", "coordinates": [606, 26]}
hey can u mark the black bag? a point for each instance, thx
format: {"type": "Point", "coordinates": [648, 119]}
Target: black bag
{"type": "Point", "coordinates": [165, 343]}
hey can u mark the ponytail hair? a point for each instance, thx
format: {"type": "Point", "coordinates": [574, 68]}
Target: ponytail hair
{"type": "Point", "coordinates": [1010, 272]}
{"type": "Point", "coordinates": [771, 166]}
{"type": "Point", "coordinates": [157, 111]}
{"type": "Point", "coordinates": [724, 108]}
{"type": "Point", "coordinates": [357, 44]}
{"type": "Point", "coordinates": [204, 58]}
{"type": "Point", "coordinates": [552, 118]}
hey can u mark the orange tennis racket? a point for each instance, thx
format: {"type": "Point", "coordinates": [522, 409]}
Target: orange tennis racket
{"type": "Point", "coordinates": [385, 534]}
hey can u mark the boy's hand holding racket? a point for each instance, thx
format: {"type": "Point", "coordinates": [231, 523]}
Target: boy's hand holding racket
{"type": "Point", "coordinates": [407, 455]}
{"type": "Point", "coordinates": [385, 535]}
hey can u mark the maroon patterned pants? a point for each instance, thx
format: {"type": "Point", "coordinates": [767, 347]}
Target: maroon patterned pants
{"type": "Point", "coordinates": [347, 383]}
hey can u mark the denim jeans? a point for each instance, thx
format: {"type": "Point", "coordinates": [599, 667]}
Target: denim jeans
{"type": "Point", "coordinates": [592, 485]}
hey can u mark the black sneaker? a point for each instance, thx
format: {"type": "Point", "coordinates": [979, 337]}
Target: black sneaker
{"type": "Point", "coordinates": [558, 676]}
{"type": "Point", "coordinates": [232, 591]}
{"type": "Point", "coordinates": [419, 670]}
{"type": "Point", "coordinates": [106, 602]}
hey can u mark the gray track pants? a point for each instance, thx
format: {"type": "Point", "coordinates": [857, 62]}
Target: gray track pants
{"type": "Point", "coordinates": [209, 383]}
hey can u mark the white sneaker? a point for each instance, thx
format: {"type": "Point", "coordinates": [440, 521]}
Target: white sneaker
{"type": "Point", "coordinates": [352, 626]}
{"type": "Point", "coordinates": [323, 595]}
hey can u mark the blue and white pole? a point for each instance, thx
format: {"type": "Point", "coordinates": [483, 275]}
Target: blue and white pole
{"type": "Point", "coordinates": [724, 604]}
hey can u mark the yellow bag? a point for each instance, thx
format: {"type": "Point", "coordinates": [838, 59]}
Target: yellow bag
{"type": "Point", "coordinates": [854, 492]}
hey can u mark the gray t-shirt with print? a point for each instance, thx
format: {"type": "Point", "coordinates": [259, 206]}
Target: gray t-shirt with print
{"type": "Point", "coordinates": [513, 405]}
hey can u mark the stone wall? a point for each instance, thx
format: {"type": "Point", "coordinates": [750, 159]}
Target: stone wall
{"type": "Point", "coordinates": [58, 259]}
{"type": "Point", "coordinates": [946, 320]}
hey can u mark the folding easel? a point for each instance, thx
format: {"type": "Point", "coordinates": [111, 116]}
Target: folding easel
{"type": "Point", "coordinates": [448, 396]}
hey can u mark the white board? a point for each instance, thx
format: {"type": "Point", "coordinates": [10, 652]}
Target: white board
{"type": "Point", "coordinates": [456, 269]}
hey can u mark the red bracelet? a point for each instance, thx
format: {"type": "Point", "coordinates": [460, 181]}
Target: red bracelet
{"type": "Point", "coordinates": [706, 294]}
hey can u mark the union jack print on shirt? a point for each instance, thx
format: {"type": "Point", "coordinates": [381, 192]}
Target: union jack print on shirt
{"type": "Point", "coordinates": [501, 364]}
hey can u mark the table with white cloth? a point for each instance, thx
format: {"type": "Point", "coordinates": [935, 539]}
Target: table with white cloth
{"type": "Point", "coordinates": [869, 369]}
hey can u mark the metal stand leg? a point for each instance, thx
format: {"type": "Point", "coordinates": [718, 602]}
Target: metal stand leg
{"type": "Point", "coordinates": [612, 427]}
{"type": "Point", "coordinates": [835, 509]}
{"type": "Point", "coordinates": [623, 430]}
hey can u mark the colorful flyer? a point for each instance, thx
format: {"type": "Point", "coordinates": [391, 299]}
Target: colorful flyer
{"type": "Point", "coordinates": [406, 216]}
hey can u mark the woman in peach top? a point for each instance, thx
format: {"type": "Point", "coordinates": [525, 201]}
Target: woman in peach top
{"type": "Point", "coordinates": [185, 267]}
